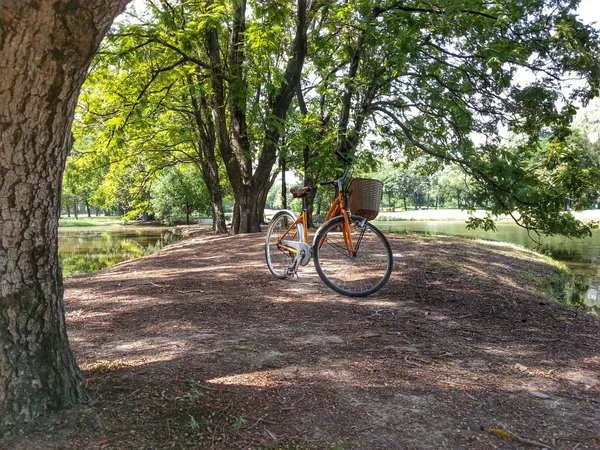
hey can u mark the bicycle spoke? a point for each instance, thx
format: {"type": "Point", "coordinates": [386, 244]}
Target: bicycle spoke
{"type": "Point", "coordinates": [360, 238]}
{"type": "Point", "coordinates": [358, 274]}
{"type": "Point", "coordinates": [341, 248]}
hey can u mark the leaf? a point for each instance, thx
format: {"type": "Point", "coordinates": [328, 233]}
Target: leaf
{"type": "Point", "coordinates": [501, 433]}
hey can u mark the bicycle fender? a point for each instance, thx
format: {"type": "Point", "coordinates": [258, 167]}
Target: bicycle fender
{"type": "Point", "coordinates": [289, 211]}
{"type": "Point", "coordinates": [295, 217]}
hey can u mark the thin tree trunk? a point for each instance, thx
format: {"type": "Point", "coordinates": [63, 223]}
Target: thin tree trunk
{"type": "Point", "coordinates": [263, 198]}
{"type": "Point", "coordinates": [283, 167]}
{"type": "Point", "coordinates": [307, 154]}
{"type": "Point", "coordinates": [218, 213]}
{"type": "Point", "coordinates": [319, 204]}
{"type": "Point", "coordinates": [45, 50]}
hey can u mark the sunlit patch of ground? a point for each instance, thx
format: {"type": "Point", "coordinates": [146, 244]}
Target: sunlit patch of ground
{"type": "Point", "coordinates": [197, 346]}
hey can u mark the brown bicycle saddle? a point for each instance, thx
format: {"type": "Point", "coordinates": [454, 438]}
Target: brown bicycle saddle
{"type": "Point", "coordinates": [300, 192]}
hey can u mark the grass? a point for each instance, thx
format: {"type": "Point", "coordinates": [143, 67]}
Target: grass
{"type": "Point", "coordinates": [557, 285]}
{"type": "Point", "coordinates": [194, 393]}
{"type": "Point", "coordinates": [89, 221]}
{"type": "Point", "coordinates": [104, 366]}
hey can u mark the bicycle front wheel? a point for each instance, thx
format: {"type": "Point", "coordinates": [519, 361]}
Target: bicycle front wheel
{"type": "Point", "coordinates": [279, 260]}
{"type": "Point", "coordinates": [355, 274]}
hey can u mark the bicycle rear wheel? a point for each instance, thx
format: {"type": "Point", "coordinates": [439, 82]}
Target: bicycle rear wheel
{"type": "Point", "coordinates": [279, 260]}
{"type": "Point", "coordinates": [355, 275]}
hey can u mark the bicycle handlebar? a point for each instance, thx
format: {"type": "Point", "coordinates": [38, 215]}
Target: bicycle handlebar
{"type": "Point", "coordinates": [325, 183]}
{"type": "Point", "coordinates": [338, 183]}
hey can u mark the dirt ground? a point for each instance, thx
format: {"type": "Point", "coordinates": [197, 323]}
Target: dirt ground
{"type": "Point", "coordinates": [198, 346]}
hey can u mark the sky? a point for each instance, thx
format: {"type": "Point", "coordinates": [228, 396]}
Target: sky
{"type": "Point", "coordinates": [589, 11]}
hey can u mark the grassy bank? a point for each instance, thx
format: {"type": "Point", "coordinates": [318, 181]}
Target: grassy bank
{"type": "Point", "coordinates": [461, 215]}
{"type": "Point", "coordinates": [89, 221]}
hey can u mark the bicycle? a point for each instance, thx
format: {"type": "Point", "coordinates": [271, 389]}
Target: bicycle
{"type": "Point", "coordinates": [350, 254]}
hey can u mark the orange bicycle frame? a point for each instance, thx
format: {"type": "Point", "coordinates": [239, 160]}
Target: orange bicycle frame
{"type": "Point", "coordinates": [338, 208]}
{"type": "Point", "coordinates": [301, 220]}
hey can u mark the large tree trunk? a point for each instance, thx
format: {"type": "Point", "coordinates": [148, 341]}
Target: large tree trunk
{"type": "Point", "coordinates": [45, 51]}
{"type": "Point", "coordinates": [248, 185]}
{"type": "Point", "coordinates": [207, 161]}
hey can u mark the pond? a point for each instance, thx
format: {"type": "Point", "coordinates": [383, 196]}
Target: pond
{"type": "Point", "coordinates": [582, 256]}
{"type": "Point", "coordinates": [85, 250]}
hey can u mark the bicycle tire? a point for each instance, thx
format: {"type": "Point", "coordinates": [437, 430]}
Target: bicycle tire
{"type": "Point", "coordinates": [356, 275]}
{"type": "Point", "coordinates": [278, 259]}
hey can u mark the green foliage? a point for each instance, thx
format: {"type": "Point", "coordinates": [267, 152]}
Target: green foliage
{"type": "Point", "coordinates": [443, 78]}
{"type": "Point", "coordinates": [412, 184]}
{"type": "Point", "coordinates": [556, 176]}
{"type": "Point", "coordinates": [239, 422]}
{"type": "Point", "coordinates": [486, 223]}
{"type": "Point", "coordinates": [194, 393]}
{"type": "Point", "coordinates": [81, 178]}
{"type": "Point", "coordinates": [74, 264]}
{"type": "Point", "coordinates": [193, 423]}
{"type": "Point", "coordinates": [431, 84]}
{"type": "Point", "coordinates": [178, 193]}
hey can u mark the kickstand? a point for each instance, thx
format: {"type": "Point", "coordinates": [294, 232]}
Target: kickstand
{"type": "Point", "coordinates": [294, 269]}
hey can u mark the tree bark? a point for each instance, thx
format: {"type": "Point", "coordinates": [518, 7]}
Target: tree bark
{"type": "Point", "coordinates": [207, 161]}
{"type": "Point", "coordinates": [248, 185]}
{"type": "Point", "coordinates": [310, 179]}
{"type": "Point", "coordinates": [283, 168]}
{"type": "Point", "coordinates": [45, 51]}
{"type": "Point", "coordinates": [263, 197]}
{"type": "Point", "coordinates": [279, 103]}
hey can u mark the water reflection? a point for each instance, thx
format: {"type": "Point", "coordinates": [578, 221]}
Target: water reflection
{"type": "Point", "coordinates": [582, 256]}
{"type": "Point", "coordinates": [91, 249]}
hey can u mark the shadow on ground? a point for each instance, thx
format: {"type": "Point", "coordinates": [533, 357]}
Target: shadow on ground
{"type": "Point", "coordinates": [197, 346]}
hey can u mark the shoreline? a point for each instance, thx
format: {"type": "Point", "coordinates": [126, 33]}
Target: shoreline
{"type": "Point", "coordinates": [455, 215]}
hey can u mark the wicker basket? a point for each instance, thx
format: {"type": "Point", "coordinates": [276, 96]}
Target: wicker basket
{"type": "Point", "coordinates": [365, 197]}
